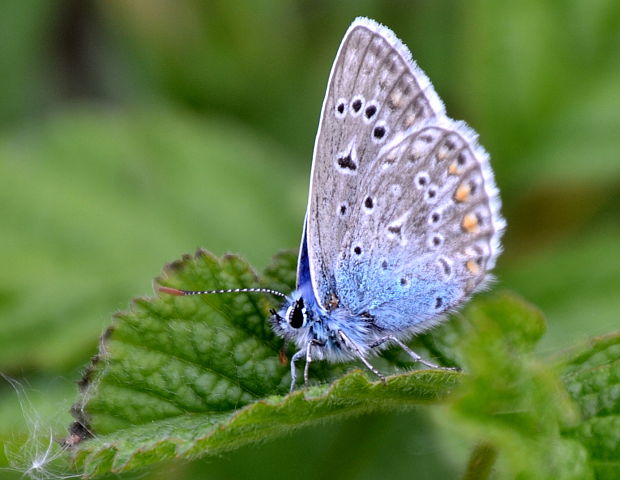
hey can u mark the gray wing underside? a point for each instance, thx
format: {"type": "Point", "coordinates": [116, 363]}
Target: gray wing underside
{"type": "Point", "coordinates": [432, 234]}
{"type": "Point", "coordinates": [371, 233]}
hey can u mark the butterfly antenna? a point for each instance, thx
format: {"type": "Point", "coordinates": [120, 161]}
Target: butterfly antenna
{"type": "Point", "coordinates": [181, 293]}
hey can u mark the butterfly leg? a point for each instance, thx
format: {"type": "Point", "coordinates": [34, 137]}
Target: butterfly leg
{"type": "Point", "coordinates": [295, 357]}
{"type": "Point", "coordinates": [411, 353]}
{"type": "Point", "coordinates": [307, 365]}
{"type": "Point", "coordinates": [309, 358]}
{"type": "Point", "coordinates": [355, 349]}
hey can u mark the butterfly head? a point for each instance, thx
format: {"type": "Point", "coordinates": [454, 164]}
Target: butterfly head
{"type": "Point", "coordinates": [296, 314]}
{"type": "Point", "coordinates": [293, 318]}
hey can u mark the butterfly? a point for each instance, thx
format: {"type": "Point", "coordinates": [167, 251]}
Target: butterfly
{"type": "Point", "coordinates": [403, 221]}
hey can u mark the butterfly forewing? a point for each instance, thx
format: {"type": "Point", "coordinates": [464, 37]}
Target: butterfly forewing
{"type": "Point", "coordinates": [375, 95]}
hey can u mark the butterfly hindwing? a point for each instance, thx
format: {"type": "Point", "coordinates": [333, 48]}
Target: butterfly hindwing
{"type": "Point", "coordinates": [427, 230]}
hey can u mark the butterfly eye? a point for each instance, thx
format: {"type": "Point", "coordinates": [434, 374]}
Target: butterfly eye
{"type": "Point", "coordinates": [296, 314]}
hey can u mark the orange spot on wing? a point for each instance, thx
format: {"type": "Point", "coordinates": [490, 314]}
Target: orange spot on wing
{"type": "Point", "coordinates": [473, 267]}
{"type": "Point", "coordinates": [470, 223]}
{"type": "Point", "coordinates": [462, 193]}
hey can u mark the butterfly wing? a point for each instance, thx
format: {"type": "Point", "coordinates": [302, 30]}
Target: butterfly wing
{"type": "Point", "coordinates": [433, 231]}
{"type": "Point", "coordinates": [403, 217]}
{"type": "Point", "coordinates": [374, 92]}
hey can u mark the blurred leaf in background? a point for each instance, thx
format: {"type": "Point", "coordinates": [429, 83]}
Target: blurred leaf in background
{"type": "Point", "coordinates": [134, 131]}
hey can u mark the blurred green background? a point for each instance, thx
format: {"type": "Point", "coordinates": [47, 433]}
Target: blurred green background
{"type": "Point", "coordinates": [134, 131]}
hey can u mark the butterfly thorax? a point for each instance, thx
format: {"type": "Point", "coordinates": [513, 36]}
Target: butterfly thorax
{"type": "Point", "coordinates": [332, 334]}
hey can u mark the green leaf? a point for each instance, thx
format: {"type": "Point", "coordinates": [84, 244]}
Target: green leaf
{"type": "Point", "coordinates": [189, 376]}
{"type": "Point", "coordinates": [511, 401]}
{"type": "Point", "coordinates": [183, 377]}
{"type": "Point", "coordinates": [188, 435]}
{"type": "Point", "coordinates": [591, 374]}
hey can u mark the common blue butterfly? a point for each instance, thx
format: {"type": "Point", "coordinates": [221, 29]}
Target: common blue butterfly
{"type": "Point", "coordinates": [403, 221]}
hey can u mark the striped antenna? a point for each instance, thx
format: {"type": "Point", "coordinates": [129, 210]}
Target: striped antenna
{"type": "Point", "coordinates": [176, 291]}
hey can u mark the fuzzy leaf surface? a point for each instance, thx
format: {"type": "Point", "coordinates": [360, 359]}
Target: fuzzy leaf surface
{"type": "Point", "coordinates": [189, 376]}
{"type": "Point", "coordinates": [591, 374]}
